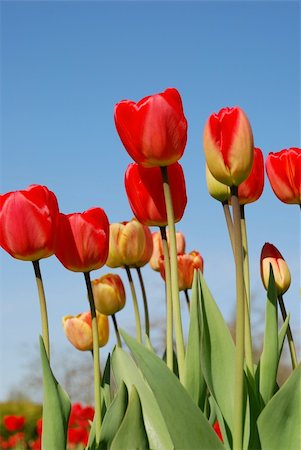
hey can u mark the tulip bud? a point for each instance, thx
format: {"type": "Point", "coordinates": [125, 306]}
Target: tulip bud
{"type": "Point", "coordinates": [216, 189]}
{"type": "Point", "coordinates": [78, 330]}
{"type": "Point", "coordinates": [144, 188]}
{"type": "Point", "coordinates": [28, 223]}
{"type": "Point", "coordinates": [130, 244]}
{"type": "Point", "coordinates": [270, 255]}
{"type": "Point", "coordinates": [228, 146]}
{"type": "Point", "coordinates": [158, 247]}
{"type": "Point", "coordinates": [109, 294]}
{"type": "Point", "coordinates": [284, 173]}
{"type": "Point", "coordinates": [187, 263]}
{"type": "Point", "coordinates": [154, 130]}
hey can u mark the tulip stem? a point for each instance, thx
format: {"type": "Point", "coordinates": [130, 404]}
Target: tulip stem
{"type": "Point", "coordinates": [169, 321]}
{"type": "Point", "coordinates": [247, 309]}
{"type": "Point", "coordinates": [240, 319]}
{"type": "Point", "coordinates": [229, 223]}
{"type": "Point", "coordinates": [187, 298]}
{"type": "Point", "coordinates": [43, 307]}
{"type": "Point", "coordinates": [288, 333]}
{"type": "Point", "coordinates": [119, 344]}
{"type": "Point", "coordinates": [135, 304]}
{"type": "Point", "coordinates": [144, 298]}
{"type": "Point", "coordinates": [174, 275]}
{"type": "Point", "coordinates": [96, 363]}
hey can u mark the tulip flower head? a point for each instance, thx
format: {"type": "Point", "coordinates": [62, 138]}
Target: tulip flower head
{"type": "Point", "coordinates": [131, 244]}
{"type": "Point", "coordinates": [154, 130]}
{"type": "Point", "coordinates": [187, 263]}
{"type": "Point", "coordinates": [251, 189]}
{"type": "Point", "coordinates": [109, 294]}
{"type": "Point", "coordinates": [28, 223]}
{"type": "Point", "coordinates": [270, 255]}
{"type": "Point", "coordinates": [14, 423]}
{"type": "Point", "coordinates": [284, 172]}
{"type": "Point", "coordinates": [228, 146]}
{"type": "Point", "coordinates": [158, 247]}
{"type": "Point", "coordinates": [144, 188]}
{"type": "Point", "coordinates": [83, 240]}
{"type": "Point", "coordinates": [78, 330]}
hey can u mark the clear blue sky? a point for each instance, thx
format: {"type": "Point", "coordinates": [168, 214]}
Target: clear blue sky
{"type": "Point", "coordinates": [66, 64]}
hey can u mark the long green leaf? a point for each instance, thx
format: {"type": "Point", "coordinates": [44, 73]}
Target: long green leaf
{"type": "Point", "coordinates": [56, 407]}
{"type": "Point", "coordinates": [279, 422]}
{"type": "Point", "coordinates": [218, 354]}
{"type": "Point", "coordinates": [131, 433]}
{"type": "Point", "coordinates": [269, 359]}
{"type": "Point", "coordinates": [125, 370]}
{"type": "Point", "coordinates": [187, 425]}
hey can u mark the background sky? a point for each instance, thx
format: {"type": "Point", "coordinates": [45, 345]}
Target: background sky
{"type": "Point", "coordinates": [64, 67]}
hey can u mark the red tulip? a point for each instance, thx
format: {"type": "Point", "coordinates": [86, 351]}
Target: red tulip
{"type": "Point", "coordinates": [144, 188]}
{"type": "Point", "coordinates": [28, 223]}
{"type": "Point", "coordinates": [83, 240]}
{"type": "Point", "coordinates": [228, 146]}
{"type": "Point", "coordinates": [270, 255]}
{"type": "Point", "coordinates": [284, 172]}
{"type": "Point", "coordinates": [154, 130]}
{"type": "Point", "coordinates": [187, 263]}
{"type": "Point", "coordinates": [14, 423]}
{"type": "Point", "coordinates": [251, 189]}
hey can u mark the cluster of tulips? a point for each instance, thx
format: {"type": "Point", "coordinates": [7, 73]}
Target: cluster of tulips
{"type": "Point", "coordinates": [207, 381]}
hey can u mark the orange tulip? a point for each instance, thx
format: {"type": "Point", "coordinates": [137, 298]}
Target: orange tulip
{"type": "Point", "coordinates": [109, 294]}
{"type": "Point", "coordinates": [158, 247]}
{"type": "Point", "coordinates": [187, 263]}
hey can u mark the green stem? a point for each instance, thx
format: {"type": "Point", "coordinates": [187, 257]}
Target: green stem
{"type": "Point", "coordinates": [169, 324]}
{"type": "Point", "coordinates": [144, 298]}
{"type": "Point", "coordinates": [96, 363]}
{"type": "Point", "coordinates": [247, 309]}
{"type": "Point", "coordinates": [187, 298]}
{"type": "Point", "coordinates": [288, 333]}
{"type": "Point", "coordinates": [135, 304]}
{"type": "Point", "coordinates": [43, 307]}
{"type": "Point", "coordinates": [240, 302]}
{"type": "Point", "coordinates": [229, 223]}
{"type": "Point", "coordinates": [174, 275]}
{"type": "Point", "coordinates": [119, 344]}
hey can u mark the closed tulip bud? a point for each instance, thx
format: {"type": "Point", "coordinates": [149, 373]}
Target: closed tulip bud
{"type": "Point", "coordinates": [187, 264]}
{"type": "Point", "coordinates": [78, 330]}
{"type": "Point", "coordinates": [154, 130]}
{"type": "Point", "coordinates": [130, 244]}
{"type": "Point", "coordinates": [83, 240]}
{"type": "Point", "coordinates": [271, 255]}
{"type": "Point", "coordinates": [28, 223]}
{"type": "Point", "coordinates": [144, 188]}
{"type": "Point", "coordinates": [216, 189]}
{"type": "Point", "coordinates": [109, 294]}
{"type": "Point", "coordinates": [284, 173]}
{"type": "Point", "coordinates": [158, 247]}
{"type": "Point", "coordinates": [251, 189]}
{"type": "Point", "coordinates": [228, 146]}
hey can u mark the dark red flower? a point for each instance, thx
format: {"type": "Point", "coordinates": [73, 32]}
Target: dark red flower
{"type": "Point", "coordinates": [14, 423]}
{"type": "Point", "coordinates": [78, 435]}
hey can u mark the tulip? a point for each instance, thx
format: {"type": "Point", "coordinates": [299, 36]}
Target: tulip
{"type": "Point", "coordinates": [13, 423]}
{"type": "Point", "coordinates": [187, 263]}
{"type": "Point", "coordinates": [271, 255]}
{"type": "Point", "coordinates": [228, 146]}
{"type": "Point", "coordinates": [216, 189]}
{"type": "Point", "coordinates": [284, 172]}
{"type": "Point", "coordinates": [83, 240]}
{"type": "Point", "coordinates": [251, 189]}
{"type": "Point", "coordinates": [145, 193]}
{"type": "Point", "coordinates": [154, 130]}
{"type": "Point", "coordinates": [28, 223]}
{"type": "Point", "coordinates": [158, 248]}
{"type": "Point", "coordinates": [109, 294]}
{"type": "Point", "coordinates": [78, 330]}
{"type": "Point", "coordinates": [130, 245]}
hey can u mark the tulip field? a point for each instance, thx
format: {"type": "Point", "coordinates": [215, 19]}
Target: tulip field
{"type": "Point", "coordinates": [206, 391]}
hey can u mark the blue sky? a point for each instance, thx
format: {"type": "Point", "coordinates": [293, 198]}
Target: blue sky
{"type": "Point", "coordinates": [64, 67]}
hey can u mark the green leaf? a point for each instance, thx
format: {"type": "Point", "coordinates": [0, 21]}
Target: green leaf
{"type": "Point", "coordinates": [131, 433]}
{"type": "Point", "coordinates": [218, 354]}
{"type": "Point", "coordinates": [282, 334]}
{"type": "Point", "coordinates": [194, 381]}
{"type": "Point", "coordinates": [269, 359]}
{"type": "Point", "coordinates": [125, 369]}
{"type": "Point", "coordinates": [56, 407]}
{"type": "Point", "coordinates": [114, 417]}
{"type": "Point", "coordinates": [279, 422]}
{"type": "Point", "coordinates": [187, 425]}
